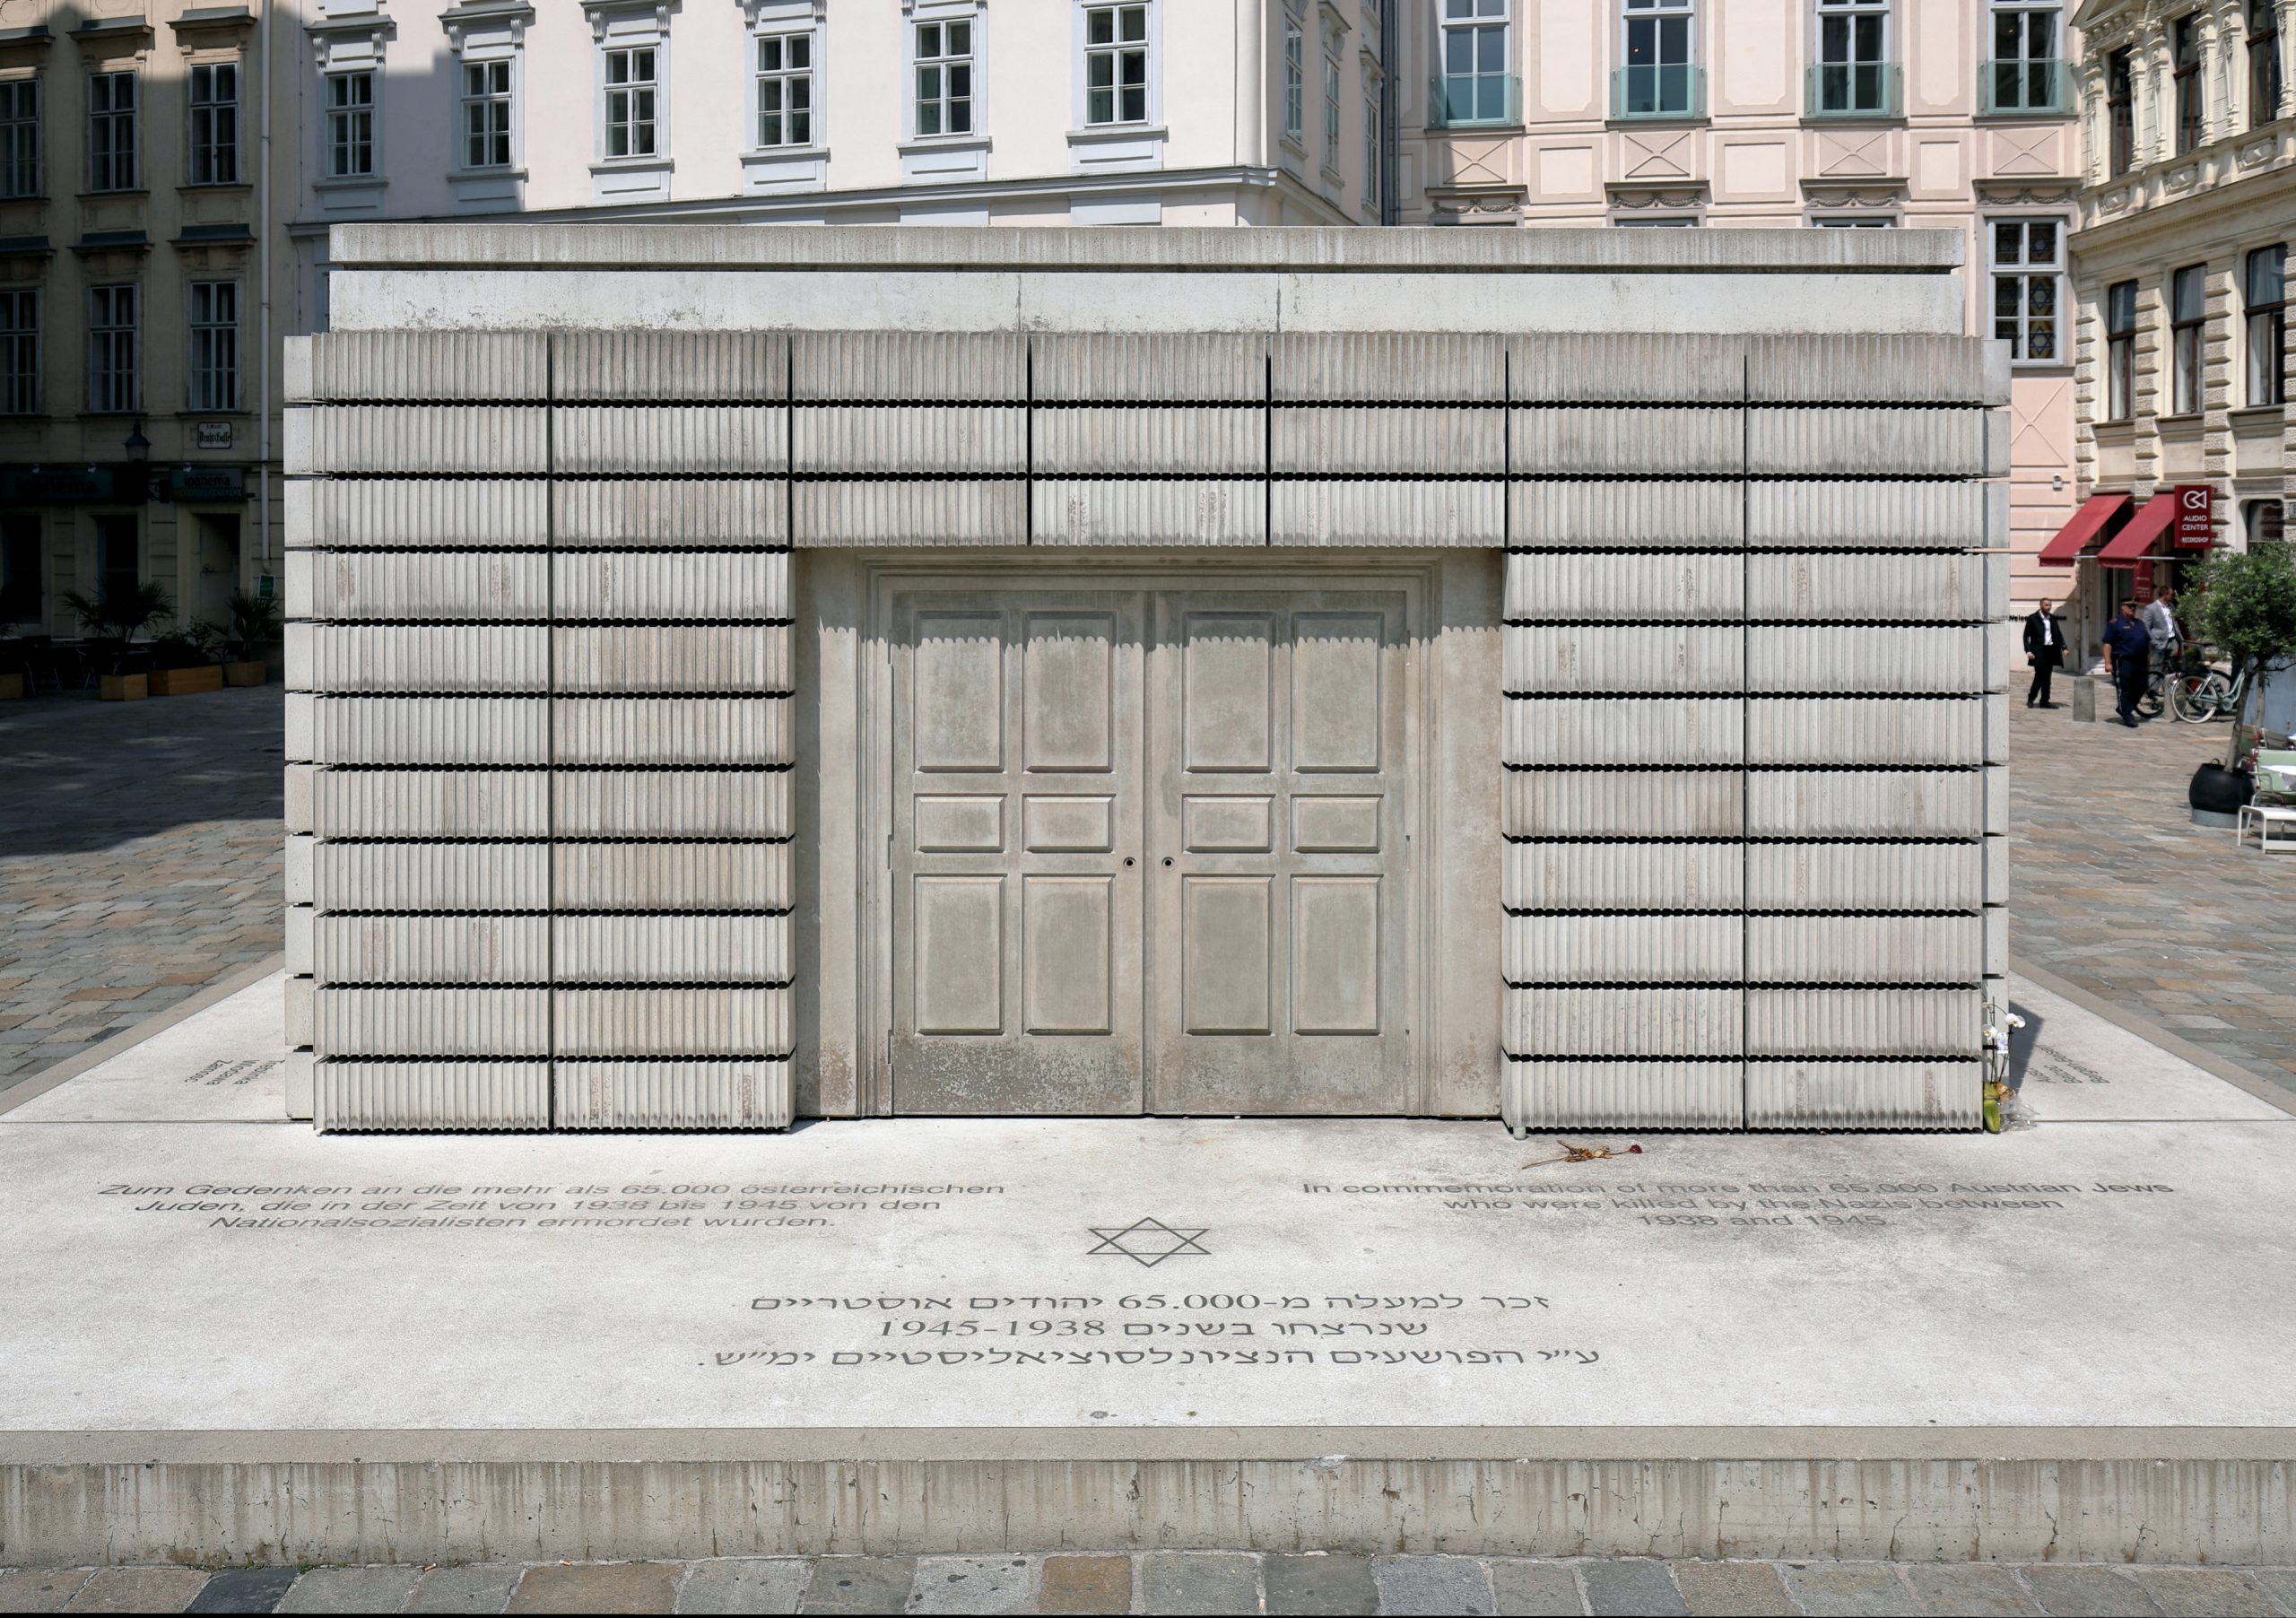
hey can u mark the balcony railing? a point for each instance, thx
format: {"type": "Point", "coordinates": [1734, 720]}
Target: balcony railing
{"type": "Point", "coordinates": [1676, 90]}
{"type": "Point", "coordinates": [1462, 101]}
{"type": "Point", "coordinates": [1853, 89]}
{"type": "Point", "coordinates": [2023, 89]}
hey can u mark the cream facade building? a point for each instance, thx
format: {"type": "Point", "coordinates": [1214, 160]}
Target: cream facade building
{"type": "Point", "coordinates": [1941, 114]}
{"type": "Point", "coordinates": [2187, 222]}
{"type": "Point", "coordinates": [132, 423]}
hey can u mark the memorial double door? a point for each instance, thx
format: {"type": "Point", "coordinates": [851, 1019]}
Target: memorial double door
{"type": "Point", "coordinates": [1147, 851]}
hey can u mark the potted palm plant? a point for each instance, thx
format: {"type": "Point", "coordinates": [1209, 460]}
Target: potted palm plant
{"type": "Point", "coordinates": [115, 617]}
{"type": "Point", "coordinates": [254, 625]}
{"type": "Point", "coordinates": [187, 659]}
{"type": "Point", "coordinates": [2247, 610]}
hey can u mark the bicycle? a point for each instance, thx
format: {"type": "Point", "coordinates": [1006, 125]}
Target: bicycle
{"type": "Point", "coordinates": [2209, 694]}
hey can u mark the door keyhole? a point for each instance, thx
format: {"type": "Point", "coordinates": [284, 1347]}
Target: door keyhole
{"type": "Point", "coordinates": [1168, 859]}
{"type": "Point", "coordinates": [1128, 860]}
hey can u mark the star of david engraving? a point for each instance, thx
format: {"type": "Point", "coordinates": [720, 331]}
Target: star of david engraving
{"type": "Point", "coordinates": [1148, 1242]}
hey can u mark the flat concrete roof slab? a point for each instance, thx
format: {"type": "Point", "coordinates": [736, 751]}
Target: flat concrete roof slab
{"type": "Point", "coordinates": [176, 1264]}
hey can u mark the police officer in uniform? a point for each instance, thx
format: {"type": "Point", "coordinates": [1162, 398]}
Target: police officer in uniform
{"type": "Point", "coordinates": [2129, 655]}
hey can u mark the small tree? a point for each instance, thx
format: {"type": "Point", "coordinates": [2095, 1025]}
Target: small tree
{"type": "Point", "coordinates": [255, 625]}
{"type": "Point", "coordinates": [126, 614]}
{"type": "Point", "coordinates": [2246, 610]}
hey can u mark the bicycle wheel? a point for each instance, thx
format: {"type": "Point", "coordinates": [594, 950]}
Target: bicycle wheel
{"type": "Point", "coordinates": [2191, 700]}
{"type": "Point", "coordinates": [2149, 704]}
{"type": "Point", "coordinates": [2227, 700]}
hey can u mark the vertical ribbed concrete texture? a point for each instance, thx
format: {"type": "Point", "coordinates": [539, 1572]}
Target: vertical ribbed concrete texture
{"type": "Point", "coordinates": [544, 648]}
{"type": "Point", "coordinates": [541, 663]}
{"type": "Point", "coordinates": [1755, 732]}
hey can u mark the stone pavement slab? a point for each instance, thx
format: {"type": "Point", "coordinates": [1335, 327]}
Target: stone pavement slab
{"type": "Point", "coordinates": [1432, 1584]}
{"type": "Point", "coordinates": [40, 1589]}
{"type": "Point", "coordinates": [1847, 1589]}
{"type": "Point", "coordinates": [610, 1587]}
{"type": "Point", "coordinates": [1199, 1581]}
{"type": "Point", "coordinates": [1534, 1589]}
{"type": "Point", "coordinates": [1967, 1590]}
{"type": "Point", "coordinates": [974, 1584]}
{"type": "Point", "coordinates": [1085, 1584]}
{"type": "Point", "coordinates": [1318, 1584]}
{"type": "Point", "coordinates": [1630, 1587]}
{"type": "Point", "coordinates": [375, 1589]}
{"type": "Point", "coordinates": [761, 1584]}
{"type": "Point", "coordinates": [860, 1584]}
{"type": "Point", "coordinates": [1730, 1589]}
{"type": "Point", "coordinates": [139, 860]}
{"type": "Point", "coordinates": [482, 1586]}
{"type": "Point", "coordinates": [2079, 1592]}
{"type": "Point", "coordinates": [137, 1590]}
{"type": "Point", "coordinates": [2207, 1592]}
{"type": "Point", "coordinates": [243, 1590]}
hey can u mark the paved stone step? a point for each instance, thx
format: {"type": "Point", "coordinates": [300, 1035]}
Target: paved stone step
{"type": "Point", "coordinates": [1175, 1582]}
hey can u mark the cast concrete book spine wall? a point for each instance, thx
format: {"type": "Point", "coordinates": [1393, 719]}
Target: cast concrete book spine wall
{"type": "Point", "coordinates": [540, 670]}
{"type": "Point", "coordinates": [1755, 730]}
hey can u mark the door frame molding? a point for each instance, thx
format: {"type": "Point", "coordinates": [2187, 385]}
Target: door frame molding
{"type": "Point", "coordinates": [883, 574]}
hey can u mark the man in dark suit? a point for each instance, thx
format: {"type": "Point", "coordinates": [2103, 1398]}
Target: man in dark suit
{"type": "Point", "coordinates": [2044, 650]}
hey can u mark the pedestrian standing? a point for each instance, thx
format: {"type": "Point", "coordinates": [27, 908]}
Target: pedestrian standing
{"type": "Point", "coordinates": [2128, 652]}
{"type": "Point", "coordinates": [2044, 651]}
{"type": "Point", "coordinates": [2161, 624]}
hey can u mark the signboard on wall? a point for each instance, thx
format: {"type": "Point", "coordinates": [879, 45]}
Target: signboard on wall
{"type": "Point", "coordinates": [211, 435]}
{"type": "Point", "coordinates": [2195, 526]}
{"type": "Point", "coordinates": [207, 482]}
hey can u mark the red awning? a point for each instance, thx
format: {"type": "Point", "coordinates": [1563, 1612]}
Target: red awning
{"type": "Point", "coordinates": [2126, 548]}
{"type": "Point", "coordinates": [2082, 527]}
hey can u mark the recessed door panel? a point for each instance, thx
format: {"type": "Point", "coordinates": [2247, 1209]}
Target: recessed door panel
{"type": "Point", "coordinates": [1334, 954]}
{"type": "Point", "coordinates": [1226, 964]}
{"type": "Point", "coordinates": [1227, 661]}
{"type": "Point", "coordinates": [1277, 915]}
{"type": "Point", "coordinates": [1068, 939]}
{"type": "Point", "coordinates": [1016, 926]}
{"type": "Point", "coordinates": [958, 977]}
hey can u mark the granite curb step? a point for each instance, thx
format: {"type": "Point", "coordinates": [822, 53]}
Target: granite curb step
{"type": "Point", "coordinates": [1170, 1581]}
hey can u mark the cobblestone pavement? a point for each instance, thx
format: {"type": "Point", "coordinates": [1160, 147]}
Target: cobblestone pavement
{"type": "Point", "coordinates": [139, 860]}
{"type": "Point", "coordinates": [2113, 888]}
{"type": "Point", "coordinates": [1168, 1581]}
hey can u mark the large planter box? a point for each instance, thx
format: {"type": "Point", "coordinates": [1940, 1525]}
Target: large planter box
{"type": "Point", "coordinates": [244, 673]}
{"type": "Point", "coordinates": [122, 688]}
{"type": "Point", "coordinates": [12, 686]}
{"type": "Point", "coordinates": [183, 682]}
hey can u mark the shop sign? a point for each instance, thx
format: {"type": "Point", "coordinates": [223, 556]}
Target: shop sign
{"type": "Point", "coordinates": [57, 485]}
{"type": "Point", "coordinates": [207, 482]}
{"type": "Point", "coordinates": [266, 587]}
{"type": "Point", "coordinates": [2195, 516]}
{"type": "Point", "coordinates": [211, 435]}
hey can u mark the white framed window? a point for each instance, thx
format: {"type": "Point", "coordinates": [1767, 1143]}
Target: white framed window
{"type": "Point", "coordinates": [633, 101]}
{"type": "Point", "coordinates": [1851, 71]}
{"type": "Point", "coordinates": [19, 137]}
{"type": "Point", "coordinates": [111, 131]}
{"type": "Point", "coordinates": [1657, 75]}
{"type": "Point", "coordinates": [784, 89]}
{"type": "Point", "coordinates": [19, 352]}
{"type": "Point", "coordinates": [488, 114]}
{"type": "Point", "coordinates": [1295, 77]}
{"type": "Point", "coordinates": [943, 68]}
{"type": "Point", "coordinates": [1372, 133]}
{"type": "Point", "coordinates": [1331, 102]}
{"type": "Point", "coordinates": [1117, 63]}
{"type": "Point", "coordinates": [113, 349]}
{"type": "Point", "coordinates": [212, 308]}
{"type": "Point", "coordinates": [350, 123]}
{"type": "Point", "coordinates": [212, 100]}
{"type": "Point", "coordinates": [1664, 221]}
{"type": "Point", "coordinates": [2028, 281]}
{"type": "Point", "coordinates": [1475, 85]}
{"type": "Point", "coordinates": [2023, 72]}
{"type": "Point", "coordinates": [2264, 336]}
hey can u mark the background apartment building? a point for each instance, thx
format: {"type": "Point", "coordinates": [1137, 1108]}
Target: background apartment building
{"type": "Point", "coordinates": [132, 436]}
{"type": "Point", "coordinates": [2181, 277]}
{"type": "Point", "coordinates": [1940, 114]}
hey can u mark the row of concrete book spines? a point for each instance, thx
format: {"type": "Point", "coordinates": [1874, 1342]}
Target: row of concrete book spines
{"type": "Point", "coordinates": [672, 512]}
{"type": "Point", "coordinates": [1537, 660]}
{"type": "Point", "coordinates": [1961, 875]}
{"type": "Point", "coordinates": [1342, 367]}
{"type": "Point", "coordinates": [431, 950]}
{"type": "Point", "coordinates": [1927, 1093]}
{"type": "Point", "coordinates": [1682, 1021]}
{"type": "Point", "coordinates": [569, 802]}
{"type": "Point", "coordinates": [571, 1093]}
{"type": "Point", "coordinates": [1947, 950]}
{"type": "Point", "coordinates": [615, 876]}
{"type": "Point", "coordinates": [975, 440]}
{"type": "Point", "coordinates": [1626, 803]}
{"type": "Point", "coordinates": [752, 588]}
{"type": "Point", "coordinates": [633, 1020]}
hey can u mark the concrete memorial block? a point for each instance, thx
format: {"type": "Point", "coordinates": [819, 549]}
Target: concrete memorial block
{"type": "Point", "coordinates": [1383, 512]}
{"type": "Point", "coordinates": [1171, 440]}
{"type": "Point", "coordinates": [1867, 1022]}
{"type": "Point", "coordinates": [432, 1021]}
{"type": "Point", "coordinates": [906, 439]}
{"type": "Point", "coordinates": [399, 1094]}
{"type": "Point", "coordinates": [1165, 511]}
{"type": "Point", "coordinates": [1935, 1094]}
{"type": "Point", "coordinates": [558, 562]}
{"type": "Point", "coordinates": [1673, 440]}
